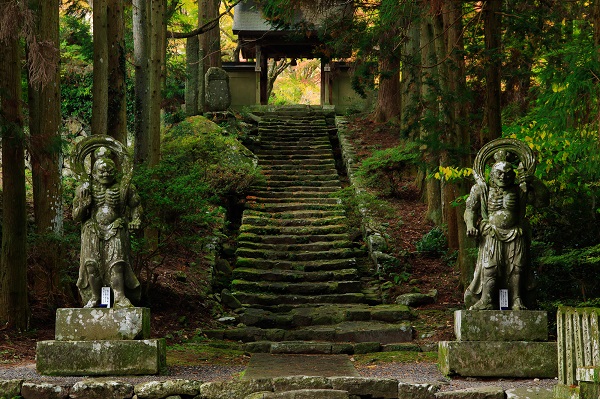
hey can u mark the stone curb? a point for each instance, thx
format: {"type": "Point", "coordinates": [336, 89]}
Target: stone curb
{"type": "Point", "coordinates": [298, 387]}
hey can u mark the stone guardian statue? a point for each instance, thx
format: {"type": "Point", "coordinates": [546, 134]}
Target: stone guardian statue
{"type": "Point", "coordinates": [495, 214]}
{"type": "Point", "coordinates": [108, 207]}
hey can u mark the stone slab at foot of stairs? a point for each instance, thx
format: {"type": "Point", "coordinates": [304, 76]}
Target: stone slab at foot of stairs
{"type": "Point", "coordinates": [264, 365]}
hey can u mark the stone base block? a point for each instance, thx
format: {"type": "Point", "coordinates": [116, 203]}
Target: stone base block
{"type": "Point", "coordinates": [501, 325]}
{"type": "Point", "coordinates": [498, 359]}
{"type": "Point", "coordinates": [76, 324]}
{"type": "Point", "coordinates": [82, 358]}
{"type": "Point", "coordinates": [563, 391]}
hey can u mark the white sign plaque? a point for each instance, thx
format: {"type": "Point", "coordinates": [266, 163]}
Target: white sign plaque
{"type": "Point", "coordinates": [503, 299]}
{"type": "Point", "coordinates": [105, 296]}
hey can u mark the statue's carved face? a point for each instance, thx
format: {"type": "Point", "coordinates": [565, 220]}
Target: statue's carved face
{"type": "Point", "coordinates": [104, 171]}
{"type": "Point", "coordinates": [503, 174]}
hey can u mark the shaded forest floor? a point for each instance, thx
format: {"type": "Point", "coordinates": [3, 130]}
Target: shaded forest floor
{"type": "Point", "coordinates": [181, 306]}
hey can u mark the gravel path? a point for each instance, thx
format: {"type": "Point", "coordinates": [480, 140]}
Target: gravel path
{"type": "Point", "coordinates": [409, 372]}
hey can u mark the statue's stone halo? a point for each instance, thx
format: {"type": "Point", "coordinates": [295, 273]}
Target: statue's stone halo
{"type": "Point", "coordinates": [90, 144]}
{"type": "Point", "coordinates": [517, 147]}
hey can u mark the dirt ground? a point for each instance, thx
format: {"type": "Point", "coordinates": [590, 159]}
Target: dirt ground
{"type": "Point", "coordinates": [181, 307]}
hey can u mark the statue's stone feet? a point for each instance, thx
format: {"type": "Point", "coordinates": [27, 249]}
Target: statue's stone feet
{"type": "Point", "coordinates": [92, 303]}
{"type": "Point", "coordinates": [482, 305]}
{"type": "Point", "coordinates": [122, 302]}
{"type": "Point", "coordinates": [518, 304]}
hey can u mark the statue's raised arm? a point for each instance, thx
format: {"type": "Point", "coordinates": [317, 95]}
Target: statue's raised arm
{"type": "Point", "coordinates": [495, 214]}
{"type": "Point", "coordinates": [107, 206]}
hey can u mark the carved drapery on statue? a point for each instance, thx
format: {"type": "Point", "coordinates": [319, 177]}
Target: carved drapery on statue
{"type": "Point", "coordinates": [495, 214]}
{"type": "Point", "coordinates": [108, 206]}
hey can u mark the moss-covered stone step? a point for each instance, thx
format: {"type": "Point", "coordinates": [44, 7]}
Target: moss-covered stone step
{"type": "Point", "coordinates": [291, 157]}
{"type": "Point", "coordinates": [293, 275]}
{"type": "Point", "coordinates": [286, 207]}
{"type": "Point", "coordinates": [298, 163]}
{"type": "Point", "coordinates": [302, 176]}
{"type": "Point", "coordinates": [325, 315]}
{"type": "Point", "coordinates": [323, 150]}
{"type": "Point", "coordinates": [336, 253]}
{"type": "Point", "coordinates": [302, 214]}
{"type": "Point", "coordinates": [293, 184]}
{"type": "Point", "coordinates": [301, 288]}
{"type": "Point", "coordinates": [325, 348]}
{"type": "Point", "coordinates": [294, 167]}
{"type": "Point", "coordinates": [266, 220]}
{"type": "Point", "coordinates": [290, 239]}
{"type": "Point", "coordinates": [259, 191]}
{"type": "Point", "coordinates": [292, 199]}
{"type": "Point", "coordinates": [293, 230]}
{"type": "Point", "coordinates": [264, 299]}
{"type": "Point", "coordinates": [292, 134]}
{"type": "Point", "coordinates": [269, 173]}
{"type": "Point", "coordinates": [383, 333]}
{"type": "Point", "coordinates": [290, 194]}
{"type": "Point", "coordinates": [309, 247]}
{"type": "Point", "coordinates": [322, 144]}
{"type": "Point", "coordinates": [306, 266]}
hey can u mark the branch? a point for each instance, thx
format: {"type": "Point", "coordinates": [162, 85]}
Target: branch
{"type": "Point", "coordinates": [213, 23]}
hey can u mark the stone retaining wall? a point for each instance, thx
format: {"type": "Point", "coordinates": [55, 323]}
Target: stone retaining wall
{"type": "Point", "coordinates": [371, 230]}
{"type": "Point", "coordinates": [297, 387]}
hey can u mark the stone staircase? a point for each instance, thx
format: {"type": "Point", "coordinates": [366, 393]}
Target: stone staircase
{"type": "Point", "coordinates": [305, 286]}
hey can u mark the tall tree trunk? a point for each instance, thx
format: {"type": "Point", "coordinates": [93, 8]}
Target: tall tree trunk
{"type": "Point", "coordinates": [462, 139]}
{"type": "Point", "coordinates": [430, 121]}
{"type": "Point", "coordinates": [141, 55]}
{"type": "Point", "coordinates": [45, 151]}
{"type": "Point", "coordinates": [410, 83]}
{"type": "Point", "coordinates": [100, 87]}
{"type": "Point", "coordinates": [117, 108]}
{"type": "Point", "coordinates": [493, 39]}
{"type": "Point", "coordinates": [211, 40]}
{"type": "Point", "coordinates": [192, 52]}
{"type": "Point", "coordinates": [14, 305]}
{"type": "Point", "coordinates": [388, 94]}
{"type": "Point", "coordinates": [44, 127]}
{"type": "Point", "coordinates": [157, 55]}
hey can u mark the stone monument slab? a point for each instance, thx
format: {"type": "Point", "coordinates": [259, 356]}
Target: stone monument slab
{"type": "Point", "coordinates": [522, 359]}
{"type": "Point", "coordinates": [501, 325]}
{"type": "Point", "coordinates": [75, 324]}
{"type": "Point", "coordinates": [77, 358]}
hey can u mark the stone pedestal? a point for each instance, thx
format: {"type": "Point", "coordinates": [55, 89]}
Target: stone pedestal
{"type": "Point", "coordinates": [494, 343]}
{"type": "Point", "coordinates": [101, 342]}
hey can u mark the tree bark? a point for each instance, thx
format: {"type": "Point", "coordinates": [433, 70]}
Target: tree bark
{"type": "Point", "coordinates": [493, 39]}
{"type": "Point", "coordinates": [211, 40]}
{"type": "Point", "coordinates": [430, 121]}
{"type": "Point", "coordinates": [44, 127]}
{"type": "Point", "coordinates": [192, 51]}
{"type": "Point", "coordinates": [100, 87]}
{"type": "Point", "coordinates": [157, 57]}
{"type": "Point", "coordinates": [117, 108]}
{"type": "Point", "coordinates": [141, 56]}
{"type": "Point", "coordinates": [410, 83]}
{"type": "Point", "coordinates": [14, 305]}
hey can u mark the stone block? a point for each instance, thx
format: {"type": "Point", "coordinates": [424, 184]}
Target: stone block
{"type": "Point", "coordinates": [43, 390]}
{"type": "Point", "coordinates": [234, 389]}
{"type": "Point", "coordinates": [95, 389]}
{"type": "Point", "coordinates": [367, 387]}
{"type": "Point", "coordinates": [162, 389]}
{"type": "Point", "coordinates": [520, 359]}
{"type": "Point", "coordinates": [10, 388]}
{"type": "Point", "coordinates": [128, 357]}
{"type": "Point", "coordinates": [473, 393]}
{"type": "Point", "coordinates": [500, 325]}
{"type": "Point", "coordinates": [76, 324]}
{"type": "Point", "coordinates": [294, 383]}
{"type": "Point", "coordinates": [530, 393]}
{"type": "Point", "coordinates": [417, 390]}
{"type": "Point", "coordinates": [301, 347]}
{"type": "Point", "coordinates": [562, 391]}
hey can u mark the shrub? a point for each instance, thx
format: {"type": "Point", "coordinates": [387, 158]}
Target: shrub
{"type": "Point", "coordinates": [433, 243]}
{"type": "Point", "coordinates": [386, 169]}
{"type": "Point", "coordinates": [201, 174]}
